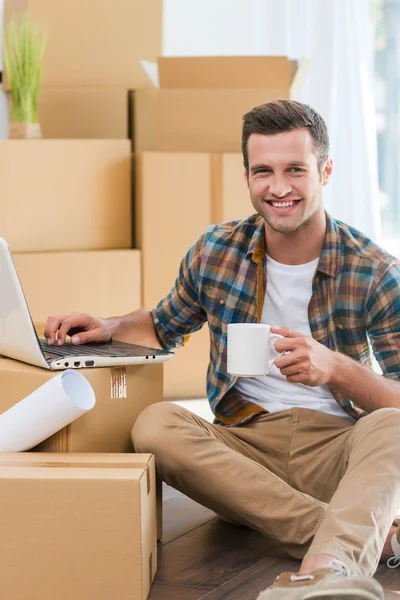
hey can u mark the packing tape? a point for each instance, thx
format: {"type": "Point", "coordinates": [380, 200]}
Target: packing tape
{"type": "Point", "coordinates": [118, 383]}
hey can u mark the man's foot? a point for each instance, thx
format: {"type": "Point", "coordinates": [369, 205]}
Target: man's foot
{"type": "Point", "coordinates": [394, 561]}
{"type": "Point", "coordinates": [323, 584]}
{"type": "Point", "coordinates": [391, 549]}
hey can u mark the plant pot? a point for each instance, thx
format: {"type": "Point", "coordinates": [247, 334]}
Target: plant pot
{"type": "Point", "coordinates": [24, 131]}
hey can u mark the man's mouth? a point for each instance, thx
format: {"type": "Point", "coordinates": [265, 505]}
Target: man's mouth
{"type": "Point", "coordinates": [283, 205]}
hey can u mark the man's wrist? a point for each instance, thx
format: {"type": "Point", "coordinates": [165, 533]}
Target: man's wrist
{"type": "Point", "coordinates": [113, 325]}
{"type": "Point", "coordinates": [340, 365]}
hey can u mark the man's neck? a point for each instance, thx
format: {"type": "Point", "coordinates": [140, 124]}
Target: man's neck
{"type": "Point", "coordinates": [297, 248]}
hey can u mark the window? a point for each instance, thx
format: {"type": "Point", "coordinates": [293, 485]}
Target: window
{"type": "Point", "coordinates": [387, 101]}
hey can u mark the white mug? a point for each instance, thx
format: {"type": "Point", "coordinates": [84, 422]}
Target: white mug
{"type": "Point", "coordinates": [249, 349]}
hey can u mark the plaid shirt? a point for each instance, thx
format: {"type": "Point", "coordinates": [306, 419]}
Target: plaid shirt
{"type": "Point", "coordinates": [355, 303]}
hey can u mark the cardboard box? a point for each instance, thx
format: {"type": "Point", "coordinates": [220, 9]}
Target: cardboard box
{"type": "Point", "coordinates": [172, 209]}
{"type": "Point", "coordinates": [92, 45]}
{"type": "Point", "coordinates": [84, 112]}
{"type": "Point", "coordinates": [77, 526]}
{"type": "Point", "coordinates": [230, 193]}
{"type": "Point", "coordinates": [104, 283]}
{"type": "Point", "coordinates": [121, 395]}
{"type": "Point", "coordinates": [201, 100]}
{"type": "Point", "coordinates": [65, 194]}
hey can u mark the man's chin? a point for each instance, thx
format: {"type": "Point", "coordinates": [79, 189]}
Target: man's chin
{"type": "Point", "coordinates": [282, 225]}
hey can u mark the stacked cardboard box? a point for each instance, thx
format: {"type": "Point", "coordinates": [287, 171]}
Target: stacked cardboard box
{"type": "Point", "coordinates": [66, 213]}
{"type": "Point", "coordinates": [200, 101]}
{"type": "Point", "coordinates": [92, 58]}
{"type": "Point", "coordinates": [75, 194]}
{"type": "Point", "coordinates": [121, 395]}
{"type": "Point", "coordinates": [173, 209]}
{"type": "Point", "coordinates": [79, 525]}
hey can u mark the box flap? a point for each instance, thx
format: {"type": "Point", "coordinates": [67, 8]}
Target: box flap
{"type": "Point", "coordinates": [71, 459]}
{"type": "Point", "coordinates": [225, 72]}
{"type": "Point", "coordinates": [299, 77]}
{"type": "Point", "coordinates": [142, 462]}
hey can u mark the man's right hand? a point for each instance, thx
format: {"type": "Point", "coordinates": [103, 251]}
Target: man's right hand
{"type": "Point", "coordinates": [81, 327]}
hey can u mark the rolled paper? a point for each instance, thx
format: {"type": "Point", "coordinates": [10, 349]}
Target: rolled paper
{"type": "Point", "coordinates": [54, 405]}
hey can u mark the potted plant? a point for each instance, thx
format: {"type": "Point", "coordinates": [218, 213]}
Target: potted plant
{"type": "Point", "coordinates": [23, 46]}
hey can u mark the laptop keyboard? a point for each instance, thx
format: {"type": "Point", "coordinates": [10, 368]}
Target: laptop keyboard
{"type": "Point", "coordinates": [107, 349]}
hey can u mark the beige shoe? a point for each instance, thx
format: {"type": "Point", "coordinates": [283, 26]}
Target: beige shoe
{"type": "Point", "coordinates": [323, 584]}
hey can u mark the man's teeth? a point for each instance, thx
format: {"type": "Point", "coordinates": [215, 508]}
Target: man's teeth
{"type": "Point", "coordinates": [282, 204]}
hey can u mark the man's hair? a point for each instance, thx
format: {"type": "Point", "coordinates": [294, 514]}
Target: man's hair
{"type": "Point", "coordinates": [286, 115]}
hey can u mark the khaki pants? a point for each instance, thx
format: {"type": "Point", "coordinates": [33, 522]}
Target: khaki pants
{"type": "Point", "coordinates": [316, 483]}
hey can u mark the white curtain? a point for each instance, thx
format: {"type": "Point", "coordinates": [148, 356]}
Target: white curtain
{"type": "Point", "coordinates": [337, 36]}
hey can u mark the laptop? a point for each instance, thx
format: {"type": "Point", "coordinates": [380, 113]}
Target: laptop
{"type": "Point", "coordinates": [19, 340]}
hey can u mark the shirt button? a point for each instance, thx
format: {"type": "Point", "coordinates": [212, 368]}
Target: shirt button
{"type": "Point", "coordinates": [222, 302]}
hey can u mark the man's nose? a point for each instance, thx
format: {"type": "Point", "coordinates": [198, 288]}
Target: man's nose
{"type": "Point", "coordinates": [279, 187]}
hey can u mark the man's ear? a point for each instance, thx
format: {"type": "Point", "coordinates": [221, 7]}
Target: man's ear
{"type": "Point", "coordinates": [327, 171]}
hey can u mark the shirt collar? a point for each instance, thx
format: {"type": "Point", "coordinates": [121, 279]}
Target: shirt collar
{"type": "Point", "coordinates": [257, 246]}
{"type": "Point", "coordinates": [331, 252]}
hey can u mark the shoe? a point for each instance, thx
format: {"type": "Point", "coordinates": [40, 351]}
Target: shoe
{"type": "Point", "coordinates": [394, 561]}
{"type": "Point", "coordinates": [323, 584]}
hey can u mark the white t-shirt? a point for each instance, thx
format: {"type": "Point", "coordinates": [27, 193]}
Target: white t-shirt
{"type": "Point", "coordinates": [288, 294]}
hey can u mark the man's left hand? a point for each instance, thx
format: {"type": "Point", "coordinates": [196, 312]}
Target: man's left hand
{"type": "Point", "coordinates": [308, 361]}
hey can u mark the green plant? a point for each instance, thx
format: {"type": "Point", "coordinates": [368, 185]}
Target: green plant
{"type": "Point", "coordinates": [23, 47]}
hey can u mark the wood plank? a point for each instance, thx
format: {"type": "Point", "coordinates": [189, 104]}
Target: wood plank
{"type": "Point", "coordinates": [389, 578]}
{"type": "Point", "coordinates": [211, 555]}
{"type": "Point", "coordinates": [160, 591]}
{"type": "Point", "coordinates": [249, 583]}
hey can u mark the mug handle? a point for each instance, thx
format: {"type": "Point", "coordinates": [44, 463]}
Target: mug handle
{"type": "Point", "coordinates": [277, 336]}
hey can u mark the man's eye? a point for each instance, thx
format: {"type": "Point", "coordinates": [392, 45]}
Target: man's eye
{"type": "Point", "coordinates": [296, 170]}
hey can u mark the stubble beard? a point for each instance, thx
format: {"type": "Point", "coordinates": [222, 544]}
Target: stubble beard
{"type": "Point", "coordinates": [300, 223]}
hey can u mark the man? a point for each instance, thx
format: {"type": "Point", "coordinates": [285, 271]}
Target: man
{"type": "Point", "coordinates": [308, 455]}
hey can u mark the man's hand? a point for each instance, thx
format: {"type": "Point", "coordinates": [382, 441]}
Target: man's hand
{"type": "Point", "coordinates": [308, 361]}
{"type": "Point", "coordinates": [81, 327]}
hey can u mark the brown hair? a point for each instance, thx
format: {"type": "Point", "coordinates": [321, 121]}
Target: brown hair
{"type": "Point", "coordinates": [285, 115]}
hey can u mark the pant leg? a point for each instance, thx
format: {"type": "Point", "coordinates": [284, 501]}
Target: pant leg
{"type": "Point", "coordinates": [225, 471]}
{"type": "Point", "coordinates": [367, 499]}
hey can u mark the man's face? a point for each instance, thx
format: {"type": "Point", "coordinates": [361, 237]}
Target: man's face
{"type": "Point", "coordinates": [284, 180]}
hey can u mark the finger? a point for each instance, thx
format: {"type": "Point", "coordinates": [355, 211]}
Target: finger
{"type": "Point", "coordinates": [286, 332]}
{"type": "Point", "coordinates": [286, 360]}
{"type": "Point", "coordinates": [72, 321]}
{"type": "Point", "coordinates": [290, 344]}
{"type": "Point", "coordinates": [83, 337]}
{"type": "Point", "coordinates": [292, 370]}
{"type": "Point", "coordinates": [298, 378]}
{"type": "Point", "coordinates": [50, 329]}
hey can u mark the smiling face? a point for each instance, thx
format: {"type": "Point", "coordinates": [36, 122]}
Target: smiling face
{"type": "Point", "coordinates": [284, 180]}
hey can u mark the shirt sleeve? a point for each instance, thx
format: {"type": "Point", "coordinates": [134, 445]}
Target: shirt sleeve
{"type": "Point", "coordinates": [180, 313]}
{"type": "Point", "coordinates": [383, 310]}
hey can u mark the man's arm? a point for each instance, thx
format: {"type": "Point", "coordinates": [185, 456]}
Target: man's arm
{"type": "Point", "coordinates": [311, 363]}
{"type": "Point", "coordinates": [364, 387]}
{"type": "Point", "coordinates": [167, 326]}
{"type": "Point", "coordinates": [135, 328]}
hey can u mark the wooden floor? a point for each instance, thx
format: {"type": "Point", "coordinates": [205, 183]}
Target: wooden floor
{"type": "Point", "coordinates": [200, 556]}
